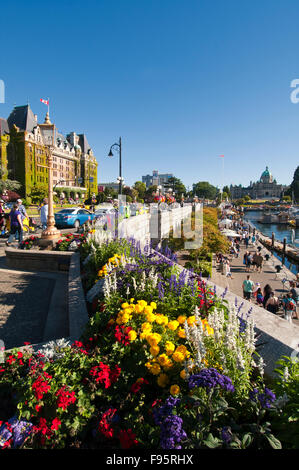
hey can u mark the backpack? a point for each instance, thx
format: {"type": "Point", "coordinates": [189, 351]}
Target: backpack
{"type": "Point", "coordinates": [290, 306]}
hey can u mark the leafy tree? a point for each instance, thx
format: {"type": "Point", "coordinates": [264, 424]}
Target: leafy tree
{"type": "Point", "coordinates": [38, 193]}
{"type": "Point", "coordinates": [294, 188]}
{"type": "Point", "coordinates": [205, 189]}
{"type": "Point", "coordinates": [140, 188]}
{"type": "Point", "coordinates": [7, 184]}
{"type": "Point", "coordinates": [227, 191]}
{"type": "Point", "coordinates": [176, 185]}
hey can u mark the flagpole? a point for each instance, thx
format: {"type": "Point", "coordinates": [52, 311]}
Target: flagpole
{"type": "Point", "coordinates": [48, 106]}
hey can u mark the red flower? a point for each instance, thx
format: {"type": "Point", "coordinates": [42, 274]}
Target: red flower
{"type": "Point", "coordinates": [104, 425]}
{"type": "Point", "coordinates": [137, 385]}
{"type": "Point", "coordinates": [55, 424]}
{"type": "Point", "coordinates": [65, 398]}
{"type": "Point", "coordinates": [38, 408]}
{"type": "Point", "coordinates": [11, 359]}
{"type": "Point", "coordinates": [127, 439]}
{"type": "Point", "coordinates": [40, 387]}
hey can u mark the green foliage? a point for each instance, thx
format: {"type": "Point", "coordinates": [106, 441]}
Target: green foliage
{"type": "Point", "coordinates": [38, 193]}
{"type": "Point", "coordinates": [203, 189]}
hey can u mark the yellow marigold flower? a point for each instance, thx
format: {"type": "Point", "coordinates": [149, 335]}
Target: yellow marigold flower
{"type": "Point", "coordinates": [154, 350]}
{"type": "Point", "coordinates": [125, 317]}
{"type": "Point", "coordinates": [138, 308]}
{"type": "Point", "coordinates": [169, 347]}
{"type": "Point", "coordinates": [163, 380]}
{"type": "Point", "coordinates": [155, 369]}
{"type": "Point", "coordinates": [159, 319]}
{"type": "Point", "coordinates": [153, 305]}
{"type": "Point", "coordinates": [181, 319]}
{"type": "Point", "coordinates": [145, 334]}
{"type": "Point", "coordinates": [172, 325]}
{"type": "Point", "coordinates": [168, 365]}
{"type": "Point", "coordinates": [132, 300]}
{"type": "Point", "coordinates": [153, 339]}
{"type": "Point", "coordinates": [182, 349]}
{"type": "Point", "coordinates": [163, 359]}
{"type": "Point", "coordinates": [127, 311]}
{"type": "Point", "coordinates": [132, 335]}
{"type": "Point", "coordinates": [142, 303]}
{"type": "Point", "coordinates": [151, 317]}
{"type": "Point", "coordinates": [183, 374]}
{"type": "Point", "coordinates": [191, 320]}
{"type": "Point", "coordinates": [125, 305]}
{"type": "Point", "coordinates": [146, 327]}
{"type": "Point", "coordinates": [148, 309]}
{"type": "Point", "coordinates": [119, 320]}
{"type": "Point", "coordinates": [178, 356]}
{"type": "Point", "coordinates": [175, 390]}
{"type": "Point", "coordinates": [181, 333]}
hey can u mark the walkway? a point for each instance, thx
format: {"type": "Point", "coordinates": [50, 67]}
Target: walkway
{"type": "Point", "coordinates": [33, 305]}
{"type": "Point", "coordinates": [267, 276]}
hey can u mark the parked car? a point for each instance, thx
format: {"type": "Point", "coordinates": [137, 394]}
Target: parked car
{"type": "Point", "coordinates": [72, 217]}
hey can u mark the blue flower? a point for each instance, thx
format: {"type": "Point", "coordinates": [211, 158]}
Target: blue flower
{"type": "Point", "coordinates": [211, 378]}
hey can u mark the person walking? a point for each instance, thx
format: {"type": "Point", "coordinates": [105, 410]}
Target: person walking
{"type": "Point", "coordinates": [248, 286]}
{"type": "Point", "coordinates": [2, 218]}
{"type": "Point", "coordinates": [22, 210]}
{"type": "Point", "coordinates": [227, 270]}
{"type": "Point", "coordinates": [295, 296]}
{"type": "Point", "coordinates": [272, 304]}
{"type": "Point", "coordinates": [44, 214]}
{"type": "Point", "coordinates": [259, 297]}
{"type": "Point", "coordinates": [16, 225]}
{"type": "Point", "coordinates": [245, 260]}
{"type": "Point", "coordinates": [267, 291]}
{"type": "Point", "coordinates": [289, 307]}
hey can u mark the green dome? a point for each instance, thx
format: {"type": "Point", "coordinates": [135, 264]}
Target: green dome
{"type": "Point", "coordinates": [266, 175]}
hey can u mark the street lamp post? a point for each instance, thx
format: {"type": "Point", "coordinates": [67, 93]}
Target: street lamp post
{"type": "Point", "coordinates": [110, 154]}
{"type": "Point", "coordinates": [50, 233]}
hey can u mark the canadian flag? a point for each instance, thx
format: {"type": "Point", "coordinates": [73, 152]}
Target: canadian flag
{"type": "Point", "coordinates": [45, 102]}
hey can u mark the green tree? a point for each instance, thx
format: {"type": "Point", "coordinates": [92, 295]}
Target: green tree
{"type": "Point", "coordinates": [140, 188]}
{"type": "Point", "coordinates": [294, 188]}
{"type": "Point", "coordinates": [7, 184]}
{"type": "Point", "coordinates": [38, 193]}
{"type": "Point", "coordinates": [205, 189]}
{"type": "Point", "coordinates": [226, 190]}
{"type": "Point", "coordinates": [176, 185]}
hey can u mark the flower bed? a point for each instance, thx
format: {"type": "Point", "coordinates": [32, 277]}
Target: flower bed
{"type": "Point", "coordinates": [163, 363]}
{"type": "Point", "coordinates": [29, 243]}
{"type": "Point", "coordinates": [70, 242]}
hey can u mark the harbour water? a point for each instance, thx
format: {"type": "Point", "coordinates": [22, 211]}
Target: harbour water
{"type": "Point", "coordinates": [280, 231]}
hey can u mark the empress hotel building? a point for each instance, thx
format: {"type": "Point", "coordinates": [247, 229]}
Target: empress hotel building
{"type": "Point", "coordinates": [24, 149]}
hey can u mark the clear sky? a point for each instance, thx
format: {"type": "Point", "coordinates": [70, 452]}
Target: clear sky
{"type": "Point", "coordinates": [181, 81]}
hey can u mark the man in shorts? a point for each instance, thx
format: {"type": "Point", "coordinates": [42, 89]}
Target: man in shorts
{"type": "Point", "coordinates": [248, 286]}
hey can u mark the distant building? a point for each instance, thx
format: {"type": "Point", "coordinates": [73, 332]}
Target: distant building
{"type": "Point", "coordinates": [103, 186]}
{"type": "Point", "coordinates": [157, 179]}
{"type": "Point", "coordinates": [265, 188]}
{"type": "Point", "coordinates": [24, 150]}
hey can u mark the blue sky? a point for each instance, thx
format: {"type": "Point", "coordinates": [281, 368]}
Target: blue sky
{"type": "Point", "coordinates": [181, 81]}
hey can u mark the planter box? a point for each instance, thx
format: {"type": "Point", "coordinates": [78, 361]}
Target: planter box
{"type": "Point", "coordinates": [36, 260]}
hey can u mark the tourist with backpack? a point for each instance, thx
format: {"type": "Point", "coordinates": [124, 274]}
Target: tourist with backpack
{"type": "Point", "coordinates": [295, 296]}
{"type": "Point", "coordinates": [289, 307]}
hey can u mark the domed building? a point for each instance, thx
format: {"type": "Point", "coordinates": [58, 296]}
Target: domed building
{"type": "Point", "coordinates": [265, 188]}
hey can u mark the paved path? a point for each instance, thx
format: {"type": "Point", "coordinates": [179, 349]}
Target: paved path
{"type": "Point", "coordinates": [267, 276]}
{"type": "Point", "coordinates": [33, 305]}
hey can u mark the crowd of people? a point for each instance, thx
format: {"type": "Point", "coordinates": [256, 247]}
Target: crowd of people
{"type": "Point", "coordinates": [253, 261]}
{"type": "Point", "coordinates": [266, 298]}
